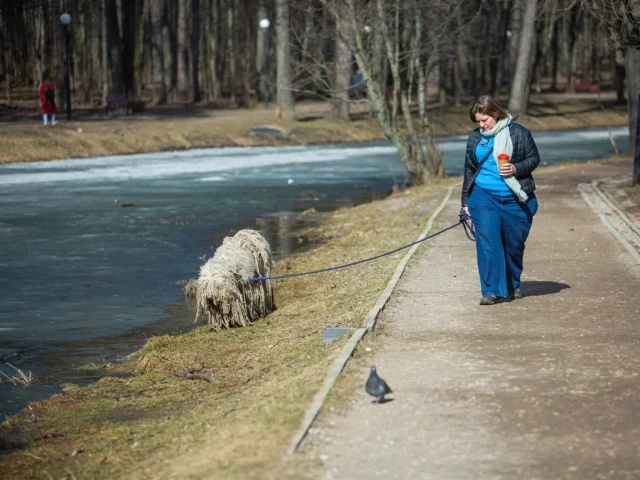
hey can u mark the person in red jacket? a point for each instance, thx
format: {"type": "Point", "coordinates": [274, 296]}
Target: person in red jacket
{"type": "Point", "coordinates": [48, 101]}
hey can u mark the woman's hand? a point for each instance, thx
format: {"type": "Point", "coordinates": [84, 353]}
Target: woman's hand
{"type": "Point", "coordinates": [507, 169]}
{"type": "Point", "coordinates": [466, 210]}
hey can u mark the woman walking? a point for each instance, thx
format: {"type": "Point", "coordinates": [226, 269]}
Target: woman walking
{"type": "Point", "coordinates": [497, 193]}
{"type": "Point", "coordinates": [48, 101]}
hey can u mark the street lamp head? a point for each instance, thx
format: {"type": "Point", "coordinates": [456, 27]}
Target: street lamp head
{"type": "Point", "coordinates": [265, 23]}
{"type": "Point", "coordinates": [65, 19]}
{"type": "Point", "coordinates": [367, 29]}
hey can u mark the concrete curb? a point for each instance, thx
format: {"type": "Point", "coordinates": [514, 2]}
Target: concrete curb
{"type": "Point", "coordinates": [368, 325]}
{"type": "Point", "coordinates": [624, 230]}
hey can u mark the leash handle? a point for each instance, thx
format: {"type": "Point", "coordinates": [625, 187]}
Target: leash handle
{"type": "Point", "coordinates": [467, 224]}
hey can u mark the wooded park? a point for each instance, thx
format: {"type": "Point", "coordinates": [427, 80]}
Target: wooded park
{"type": "Point", "coordinates": [392, 55]}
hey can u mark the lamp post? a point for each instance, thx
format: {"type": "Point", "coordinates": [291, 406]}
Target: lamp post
{"type": "Point", "coordinates": [65, 20]}
{"type": "Point", "coordinates": [264, 26]}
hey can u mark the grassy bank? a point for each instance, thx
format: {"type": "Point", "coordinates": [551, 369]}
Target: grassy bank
{"type": "Point", "coordinates": [159, 131]}
{"type": "Point", "coordinates": [264, 375]}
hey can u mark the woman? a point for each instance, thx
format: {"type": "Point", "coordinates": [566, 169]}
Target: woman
{"type": "Point", "coordinates": [48, 101]}
{"type": "Point", "coordinates": [500, 200]}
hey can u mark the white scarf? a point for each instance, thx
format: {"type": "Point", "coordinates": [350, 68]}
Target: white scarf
{"type": "Point", "coordinates": [502, 144]}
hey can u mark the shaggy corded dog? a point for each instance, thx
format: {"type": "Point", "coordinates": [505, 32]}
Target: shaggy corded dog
{"type": "Point", "coordinates": [223, 291]}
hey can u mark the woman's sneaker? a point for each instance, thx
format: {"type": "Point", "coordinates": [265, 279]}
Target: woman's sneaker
{"type": "Point", "coordinates": [489, 300]}
{"type": "Point", "coordinates": [514, 294]}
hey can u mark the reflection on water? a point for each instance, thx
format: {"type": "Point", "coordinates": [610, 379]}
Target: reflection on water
{"type": "Point", "coordinates": [85, 280]}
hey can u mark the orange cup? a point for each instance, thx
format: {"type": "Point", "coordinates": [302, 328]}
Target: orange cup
{"type": "Point", "coordinates": [503, 159]}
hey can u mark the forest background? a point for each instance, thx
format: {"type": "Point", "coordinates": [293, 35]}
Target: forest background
{"type": "Point", "coordinates": [394, 58]}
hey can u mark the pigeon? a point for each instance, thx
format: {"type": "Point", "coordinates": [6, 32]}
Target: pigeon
{"type": "Point", "coordinates": [377, 387]}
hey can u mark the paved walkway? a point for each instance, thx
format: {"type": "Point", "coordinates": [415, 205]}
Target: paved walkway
{"type": "Point", "coordinates": [543, 387]}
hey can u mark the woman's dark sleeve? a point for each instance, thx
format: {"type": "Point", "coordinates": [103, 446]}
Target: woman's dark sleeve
{"type": "Point", "coordinates": [531, 155]}
{"type": "Point", "coordinates": [468, 175]}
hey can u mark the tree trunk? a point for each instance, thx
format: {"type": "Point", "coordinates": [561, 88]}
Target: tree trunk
{"type": "Point", "coordinates": [596, 58]}
{"type": "Point", "coordinates": [45, 58]}
{"type": "Point", "coordinates": [458, 86]}
{"type": "Point", "coordinates": [4, 36]}
{"type": "Point", "coordinates": [570, 35]}
{"type": "Point", "coordinates": [129, 27]}
{"type": "Point", "coordinates": [554, 58]}
{"type": "Point", "coordinates": [261, 63]}
{"type": "Point", "coordinates": [214, 22]}
{"type": "Point", "coordinates": [157, 52]}
{"type": "Point", "coordinates": [587, 50]}
{"type": "Point", "coordinates": [247, 70]}
{"type": "Point", "coordinates": [487, 54]}
{"type": "Point", "coordinates": [183, 64]}
{"type": "Point", "coordinates": [7, 77]}
{"type": "Point", "coordinates": [167, 47]}
{"type": "Point", "coordinates": [515, 27]}
{"type": "Point", "coordinates": [504, 46]}
{"type": "Point", "coordinates": [377, 58]}
{"type": "Point", "coordinates": [343, 73]}
{"type": "Point", "coordinates": [286, 106]}
{"type": "Point", "coordinates": [633, 90]}
{"type": "Point", "coordinates": [138, 65]}
{"type": "Point", "coordinates": [618, 63]}
{"type": "Point", "coordinates": [231, 51]}
{"type": "Point", "coordinates": [434, 157]}
{"type": "Point", "coordinates": [547, 35]}
{"type": "Point", "coordinates": [518, 97]}
{"type": "Point", "coordinates": [115, 47]}
{"type": "Point", "coordinates": [195, 50]}
{"type": "Point", "coordinates": [83, 62]}
{"type": "Point", "coordinates": [104, 53]}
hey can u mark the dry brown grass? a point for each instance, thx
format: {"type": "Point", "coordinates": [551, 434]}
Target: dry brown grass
{"type": "Point", "coordinates": [19, 377]}
{"type": "Point", "coordinates": [26, 141]}
{"type": "Point", "coordinates": [265, 374]}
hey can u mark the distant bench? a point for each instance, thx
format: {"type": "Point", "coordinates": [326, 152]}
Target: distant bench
{"type": "Point", "coordinates": [118, 101]}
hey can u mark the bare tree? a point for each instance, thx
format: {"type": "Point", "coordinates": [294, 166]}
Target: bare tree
{"type": "Point", "coordinates": [570, 30]}
{"type": "Point", "coordinates": [342, 72]}
{"type": "Point", "coordinates": [521, 79]}
{"type": "Point", "coordinates": [194, 50]}
{"type": "Point", "coordinates": [115, 47]}
{"type": "Point", "coordinates": [408, 39]}
{"type": "Point", "coordinates": [157, 51]}
{"type": "Point", "coordinates": [182, 51]}
{"type": "Point", "coordinates": [286, 106]}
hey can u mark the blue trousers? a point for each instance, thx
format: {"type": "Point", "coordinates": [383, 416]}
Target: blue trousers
{"type": "Point", "coordinates": [502, 226]}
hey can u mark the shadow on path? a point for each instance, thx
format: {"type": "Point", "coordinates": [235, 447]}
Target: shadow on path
{"type": "Point", "coordinates": [539, 288]}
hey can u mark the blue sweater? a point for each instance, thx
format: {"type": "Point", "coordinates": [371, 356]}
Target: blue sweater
{"type": "Point", "coordinates": [489, 177]}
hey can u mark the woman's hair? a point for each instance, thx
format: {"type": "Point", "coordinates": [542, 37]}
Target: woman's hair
{"type": "Point", "coordinates": [487, 105]}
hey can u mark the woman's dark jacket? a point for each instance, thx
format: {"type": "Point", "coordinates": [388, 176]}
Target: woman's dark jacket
{"type": "Point", "coordinates": [525, 157]}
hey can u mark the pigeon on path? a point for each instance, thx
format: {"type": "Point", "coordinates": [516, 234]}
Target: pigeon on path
{"type": "Point", "coordinates": [377, 387]}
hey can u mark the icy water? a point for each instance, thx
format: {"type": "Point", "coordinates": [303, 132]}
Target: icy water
{"type": "Point", "coordinates": [92, 250]}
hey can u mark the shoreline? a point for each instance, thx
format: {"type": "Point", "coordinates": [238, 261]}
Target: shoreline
{"type": "Point", "coordinates": [218, 129]}
{"type": "Point", "coordinates": [292, 145]}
